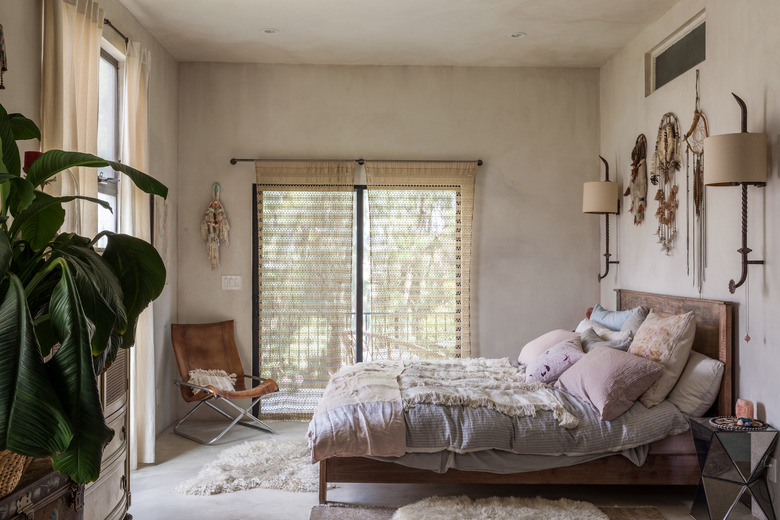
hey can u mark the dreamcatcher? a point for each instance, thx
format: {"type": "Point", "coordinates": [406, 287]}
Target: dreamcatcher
{"type": "Point", "coordinates": [637, 184]}
{"type": "Point", "coordinates": [666, 162]}
{"type": "Point", "coordinates": [214, 227]}
{"type": "Point", "coordinates": [694, 140]}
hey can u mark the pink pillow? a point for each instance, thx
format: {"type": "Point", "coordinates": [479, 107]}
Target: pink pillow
{"type": "Point", "coordinates": [610, 380]}
{"type": "Point", "coordinates": [548, 366]}
{"type": "Point", "coordinates": [544, 342]}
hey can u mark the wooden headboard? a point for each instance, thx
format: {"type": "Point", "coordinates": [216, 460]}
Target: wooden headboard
{"type": "Point", "coordinates": [714, 333]}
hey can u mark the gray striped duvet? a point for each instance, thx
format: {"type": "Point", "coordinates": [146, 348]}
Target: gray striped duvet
{"type": "Point", "coordinates": [479, 439]}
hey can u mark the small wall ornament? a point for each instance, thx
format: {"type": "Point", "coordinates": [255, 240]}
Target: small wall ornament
{"type": "Point", "coordinates": [214, 228]}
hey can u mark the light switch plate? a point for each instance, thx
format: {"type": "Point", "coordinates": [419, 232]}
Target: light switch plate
{"type": "Point", "coordinates": [231, 283]}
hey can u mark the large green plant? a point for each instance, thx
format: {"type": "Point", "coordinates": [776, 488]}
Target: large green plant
{"type": "Point", "coordinates": [65, 309]}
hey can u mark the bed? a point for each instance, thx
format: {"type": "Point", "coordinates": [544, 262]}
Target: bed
{"type": "Point", "coordinates": [670, 461]}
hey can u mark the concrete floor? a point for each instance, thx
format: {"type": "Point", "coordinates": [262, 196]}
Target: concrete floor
{"type": "Point", "coordinates": [180, 459]}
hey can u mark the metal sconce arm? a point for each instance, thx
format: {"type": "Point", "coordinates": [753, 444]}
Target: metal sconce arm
{"type": "Point", "coordinates": [607, 254]}
{"type": "Point", "coordinates": [744, 250]}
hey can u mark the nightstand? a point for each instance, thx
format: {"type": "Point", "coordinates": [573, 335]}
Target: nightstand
{"type": "Point", "coordinates": [733, 467]}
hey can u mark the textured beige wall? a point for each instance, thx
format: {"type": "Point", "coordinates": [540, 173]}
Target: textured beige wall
{"type": "Point", "coordinates": [536, 129]}
{"type": "Point", "coordinates": [742, 57]}
{"type": "Point", "coordinates": [22, 21]}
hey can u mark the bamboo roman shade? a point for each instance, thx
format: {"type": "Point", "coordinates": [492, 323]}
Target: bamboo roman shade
{"type": "Point", "coordinates": [420, 216]}
{"type": "Point", "coordinates": [304, 215]}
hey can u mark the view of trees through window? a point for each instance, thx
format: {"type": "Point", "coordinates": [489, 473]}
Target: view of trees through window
{"type": "Point", "coordinates": [308, 292]}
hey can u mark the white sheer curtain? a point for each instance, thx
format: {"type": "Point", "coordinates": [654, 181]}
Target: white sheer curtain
{"type": "Point", "coordinates": [134, 220]}
{"type": "Point", "coordinates": [71, 60]}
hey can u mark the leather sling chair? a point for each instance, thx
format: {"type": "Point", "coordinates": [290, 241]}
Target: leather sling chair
{"type": "Point", "coordinates": [213, 346]}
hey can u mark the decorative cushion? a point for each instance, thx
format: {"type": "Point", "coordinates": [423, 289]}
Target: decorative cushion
{"type": "Point", "coordinates": [219, 379]}
{"type": "Point", "coordinates": [665, 339]}
{"type": "Point", "coordinates": [548, 366]}
{"type": "Point", "coordinates": [535, 347]}
{"type": "Point", "coordinates": [601, 330]}
{"type": "Point", "coordinates": [591, 340]}
{"type": "Point", "coordinates": [610, 319]}
{"type": "Point", "coordinates": [698, 386]}
{"type": "Point", "coordinates": [610, 380]}
{"type": "Point", "coordinates": [635, 320]}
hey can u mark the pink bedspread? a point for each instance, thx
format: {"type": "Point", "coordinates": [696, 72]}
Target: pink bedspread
{"type": "Point", "coordinates": [361, 413]}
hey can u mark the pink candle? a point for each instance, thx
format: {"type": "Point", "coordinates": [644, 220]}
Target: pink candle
{"type": "Point", "coordinates": [744, 408]}
{"type": "Point", "coordinates": [29, 158]}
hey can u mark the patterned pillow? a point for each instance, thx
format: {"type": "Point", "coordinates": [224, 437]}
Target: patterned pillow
{"type": "Point", "coordinates": [553, 362]}
{"type": "Point", "coordinates": [665, 339]}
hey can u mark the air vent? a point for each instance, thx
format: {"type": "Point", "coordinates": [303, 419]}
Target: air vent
{"type": "Point", "coordinates": [679, 53]}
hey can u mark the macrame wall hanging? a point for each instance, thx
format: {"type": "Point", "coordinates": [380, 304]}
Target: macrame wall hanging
{"type": "Point", "coordinates": [694, 141]}
{"type": "Point", "coordinates": [214, 227]}
{"type": "Point", "coordinates": [666, 162]}
{"type": "Point", "coordinates": [3, 57]}
{"type": "Point", "coordinates": [637, 183]}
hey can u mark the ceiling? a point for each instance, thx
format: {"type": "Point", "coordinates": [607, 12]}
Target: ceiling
{"type": "Point", "coordinates": [560, 33]}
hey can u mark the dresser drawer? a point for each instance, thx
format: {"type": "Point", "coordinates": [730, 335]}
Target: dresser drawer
{"type": "Point", "coordinates": [102, 497]}
{"type": "Point", "coordinates": [118, 443]}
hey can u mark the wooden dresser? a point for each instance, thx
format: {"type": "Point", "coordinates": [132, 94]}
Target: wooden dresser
{"type": "Point", "coordinates": [108, 498]}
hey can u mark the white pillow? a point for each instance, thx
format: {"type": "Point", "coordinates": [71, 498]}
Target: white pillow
{"type": "Point", "coordinates": [601, 330]}
{"type": "Point", "coordinates": [698, 385]}
{"type": "Point", "coordinates": [537, 346]}
{"type": "Point", "coordinates": [219, 379]}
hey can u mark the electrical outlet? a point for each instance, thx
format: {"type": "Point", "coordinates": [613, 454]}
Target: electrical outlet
{"type": "Point", "coordinates": [231, 283]}
{"type": "Point", "coordinates": [771, 470]}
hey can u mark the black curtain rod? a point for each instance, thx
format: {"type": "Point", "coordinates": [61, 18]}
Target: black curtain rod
{"type": "Point", "coordinates": [233, 161]}
{"type": "Point", "coordinates": [106, 21]}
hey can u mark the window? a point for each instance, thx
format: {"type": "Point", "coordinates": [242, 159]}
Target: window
{"type": "Point", "coordinates": [108, 142]}
{"type": "Point", "coordinates": [677, 54]}
{"type": "Point", "coordinates": [349, 273]}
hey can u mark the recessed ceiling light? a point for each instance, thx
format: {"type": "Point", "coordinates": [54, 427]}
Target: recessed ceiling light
{"type": "Point", "coordinates": [270, 30]}
{"type": "Point", "coordinates": [518, 35]}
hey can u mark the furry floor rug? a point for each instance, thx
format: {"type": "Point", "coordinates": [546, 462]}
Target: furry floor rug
{"type": "Point", "coordinates": [335, 512]}
{"type": "Point", "coordinates": [267, 464]}
{"type": "Point", "coordinates": [499, 508]}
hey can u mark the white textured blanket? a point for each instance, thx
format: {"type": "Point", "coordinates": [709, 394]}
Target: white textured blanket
{"type": "Point", "coordinates": [362, 409]}
{"type": "Point", "coordinates": [492, 383]}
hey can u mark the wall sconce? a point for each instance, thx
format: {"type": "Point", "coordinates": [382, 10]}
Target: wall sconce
{"type": "Point", "coordinates": [734, 160]}
{"type": "Point", "coordinates": [601, 198]}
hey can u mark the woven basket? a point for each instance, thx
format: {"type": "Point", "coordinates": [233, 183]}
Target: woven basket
{"type": "Point", "coordinates": [12, 466]}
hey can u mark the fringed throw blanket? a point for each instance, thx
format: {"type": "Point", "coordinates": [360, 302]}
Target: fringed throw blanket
{"type": "Point", "coordinates": [492, 383]}
{"type": "Point", "coordinates": [362, 409]}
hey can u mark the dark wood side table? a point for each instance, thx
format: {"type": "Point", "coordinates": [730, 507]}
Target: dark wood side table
{"type": "Point", "coordinates": [733, 467]}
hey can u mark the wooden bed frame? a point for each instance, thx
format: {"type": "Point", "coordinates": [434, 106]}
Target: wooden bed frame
{"type": "Point", "coordinates": [671, 461]}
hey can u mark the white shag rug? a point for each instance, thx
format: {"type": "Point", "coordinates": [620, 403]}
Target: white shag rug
{"type": "Point", "coordinates": [267, 464]}
{"type": "Point", "coordinates": [499, 508]}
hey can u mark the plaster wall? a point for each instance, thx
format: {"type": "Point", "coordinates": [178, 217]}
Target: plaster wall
{"type": "Point", "coordinates": [536, 129]}
{"type": "Point", "coordinates": [22, 25]}
{"type": "Point", "coordinates": [741, 57]}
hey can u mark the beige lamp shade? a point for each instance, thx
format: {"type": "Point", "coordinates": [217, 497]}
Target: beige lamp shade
{"type": "Point", "coordinates": [731, 159]}
{"type": "Point", "coordinates": [600, 197]}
